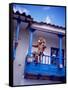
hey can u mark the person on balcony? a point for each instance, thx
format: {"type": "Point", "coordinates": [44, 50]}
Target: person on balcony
{"type": "Point", "coordinates": [41, 45]}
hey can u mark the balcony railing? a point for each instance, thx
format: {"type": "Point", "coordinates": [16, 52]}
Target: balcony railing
{"type": "Point", "coordinates": [44, 59]}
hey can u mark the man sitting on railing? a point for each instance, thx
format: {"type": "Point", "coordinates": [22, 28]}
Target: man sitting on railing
{"type": "Point", "coordinates": [41, 45]}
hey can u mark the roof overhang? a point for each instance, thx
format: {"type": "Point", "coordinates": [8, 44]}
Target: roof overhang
{"type": "Point", "coordinates": [45, 27]}
{"type": "Point", "coordinates": [48, 28]}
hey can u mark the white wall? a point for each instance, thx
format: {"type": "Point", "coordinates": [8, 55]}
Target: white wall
{"type": "Point", "coordinates": [52, 40]}
{"type": "Point", "coordinates": [21, 52]}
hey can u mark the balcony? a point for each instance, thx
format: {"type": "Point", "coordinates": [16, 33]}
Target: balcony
{"type": "Point", "coordinates": [44, 66]}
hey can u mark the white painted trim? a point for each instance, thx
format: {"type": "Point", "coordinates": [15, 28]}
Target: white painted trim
{"type": "Point", "coordinates": [48, 28]}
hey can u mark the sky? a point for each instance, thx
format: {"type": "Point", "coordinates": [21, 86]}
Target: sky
{"type": "Point", "coordinates": [48, 14]}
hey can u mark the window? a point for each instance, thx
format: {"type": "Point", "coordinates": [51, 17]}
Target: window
{"type": "Point", "coordinates": [55, 56]}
